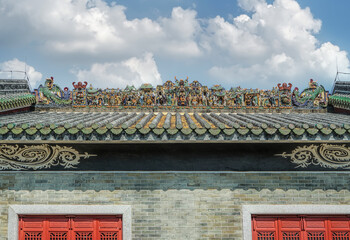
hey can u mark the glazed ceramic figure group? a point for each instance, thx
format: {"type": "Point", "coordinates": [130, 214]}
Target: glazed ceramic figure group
{"type": "Point", "coordinates": [181, 93]}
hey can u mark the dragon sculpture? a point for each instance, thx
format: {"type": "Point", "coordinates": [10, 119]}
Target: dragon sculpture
{"type": "Point", "coordinates": [313, 96]}
{"type": "Point", "coordinates": [51, 93]}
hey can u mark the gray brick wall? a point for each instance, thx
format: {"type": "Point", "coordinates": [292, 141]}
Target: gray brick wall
{"type": "Point", "coordinates": [174, 205]}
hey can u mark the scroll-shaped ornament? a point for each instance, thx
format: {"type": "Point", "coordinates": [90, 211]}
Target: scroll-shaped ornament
{"type": "Point", "coordinates": [33, 157]}
{"type": "Point", "coordinates": [325, 155]}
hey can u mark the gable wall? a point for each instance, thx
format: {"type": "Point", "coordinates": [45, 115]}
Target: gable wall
{"type": "Point", "coordinates": [174, 205]}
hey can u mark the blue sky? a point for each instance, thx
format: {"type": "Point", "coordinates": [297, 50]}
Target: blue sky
{"type": "Point", "coordinates": [251, 43]}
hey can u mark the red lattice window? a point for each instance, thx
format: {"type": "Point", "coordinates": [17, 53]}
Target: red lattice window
{"type": "Point", "coordinates": [32, 236]}
{"type": "Point", "coordinates": [70, 228]}
{"type": "Point", "coordinates": [301, 228]}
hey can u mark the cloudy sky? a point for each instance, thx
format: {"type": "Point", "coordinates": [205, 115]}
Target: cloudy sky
{"type": "Point", "coordinates": [248, 43]}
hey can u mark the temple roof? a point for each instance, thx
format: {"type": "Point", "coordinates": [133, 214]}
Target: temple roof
{"type": "Point", "coordinates": [15, 94]}
{"type": "Point", "coordinates": [175, 111]}
{"type": "Point", "coordinates": [340, 98]}
{"type": "Point", "coordinates": [14, 86]}
{"type": "Point", "coordinates": [16, 101]}
{"type": "Point", "coordinates": [125, 126]}
{"type": "Point", "coordinates": [341, 87]}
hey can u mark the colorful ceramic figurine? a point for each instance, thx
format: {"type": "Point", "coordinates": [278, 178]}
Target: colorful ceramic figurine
{"type": "Point", "coordinates": [50, 93]}
{"type": "Point", "coordinates": [79, 94]}
{"type": "Point", "coordinates": [181, 93]}
{"type": "Point", "coordinates": [314, 96]}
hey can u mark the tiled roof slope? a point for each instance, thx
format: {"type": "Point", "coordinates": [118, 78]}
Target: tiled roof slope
{"type": "Point", "coordinates": [15, 94]}
{"type": "Point", "coordinates": [14, 86]}
{"type": "Point", "coordinates": [340, 101]}
{"type": "Point", "coordinates": [97, 126]}
{"type": "Point", "coordinates": [341, 95]}
{"type": "Point", "coordinates": [15, 101]}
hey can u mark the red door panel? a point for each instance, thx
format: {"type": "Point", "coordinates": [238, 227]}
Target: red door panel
{"type": "Point", "coordinates": [290, 228]}
{"type": "Point", "coordinates": [315, 228]}
{"type": "Point", "coordinates": [339, 228]}
{"type": "Point", "coordinates": [290, 223]}
{"type": "Point", "coordinates": [33, 229]}
{"type": "Point", "coordinates": [315, 223]}
{"type": "Point", "coordinates": [110, 228]}
{"type": "Point", "coordinates": [341, 223]}
{"type": "Point", "coordinates": [58, 227]}
{"type": "Point", "coordinates": [264, 228]}
{"type": "Point", "coordinates": [83, 228]}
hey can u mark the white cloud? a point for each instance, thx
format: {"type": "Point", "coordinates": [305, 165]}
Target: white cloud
{"type": "Point", "coordinates": [180, 32]}
{"type": "Point", "coordinates": [17, 65]}
{"type": "Point", "coordinates": [226, 38]}
{"type": "Point", "coordinates": [133, 71]}
{"type": "Point", "coordinates": [250, 5]}
{"type": "Point", "coordinates": [277, 43]}
{"type": "Point", "coordinates": [268, 44]}
{"type": "Point", "coordinates": [77, 29]}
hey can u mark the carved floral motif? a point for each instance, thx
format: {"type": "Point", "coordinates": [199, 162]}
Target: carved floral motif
{"type": "Point", "coordinates": [35, 157]}
{"type": "Point", "coordinates": [325, 155]}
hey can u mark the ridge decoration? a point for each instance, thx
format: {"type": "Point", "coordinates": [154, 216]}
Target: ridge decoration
{"type": "Point", "coordinates": [181, 93]}
{"type": "Point", "coordinates": [324, 155]}
{"type": "Point", "coordinates": [33, 157]}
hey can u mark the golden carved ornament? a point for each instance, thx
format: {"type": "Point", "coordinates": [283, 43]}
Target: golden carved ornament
{"type": "Point", "coordinates": [324, 155]}
{"type": "Point", "coordinates": [38, 156]}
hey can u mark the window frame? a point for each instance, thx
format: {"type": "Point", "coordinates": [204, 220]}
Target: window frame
{"type": "Point", "coordinates": [15, 210]}
{"type": "Point", "coordinates": [303, 209]}
{"type": "Point", "coordinates": [301, 226]}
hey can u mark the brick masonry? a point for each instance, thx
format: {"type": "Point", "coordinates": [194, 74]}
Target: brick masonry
{"type": "Point", "coordinates": [175, 205]}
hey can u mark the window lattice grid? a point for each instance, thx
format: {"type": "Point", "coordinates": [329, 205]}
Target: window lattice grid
{"type": "Point", "coordinates": [340, 235]}
{"type": "Point", "coordinates": [58, 235]}
{"type": "Point", "coordinates": [315, 235]}
{"type": "Point", "coordinates": [290, 235]}
{"type": "Point", "coordinates": [108, 236]}
{"type": "Point", "coordinates": [83, 235]}
{"type": "Point", "coordinates": [32, 236]}
{"type": "Point", "coordinates": [266, 235]}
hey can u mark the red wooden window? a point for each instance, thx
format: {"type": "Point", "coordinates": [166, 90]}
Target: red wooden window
{"type": "Point", "coordinates": [70, 228]}
{"type": "Point", "coordinates": [301, 228]}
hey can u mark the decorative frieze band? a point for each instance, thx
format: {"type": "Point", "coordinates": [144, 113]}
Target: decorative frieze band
{"type": "Point", "coordinates": [324, 155]}
{"type": "Point", "coordinates": [32, 157]}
